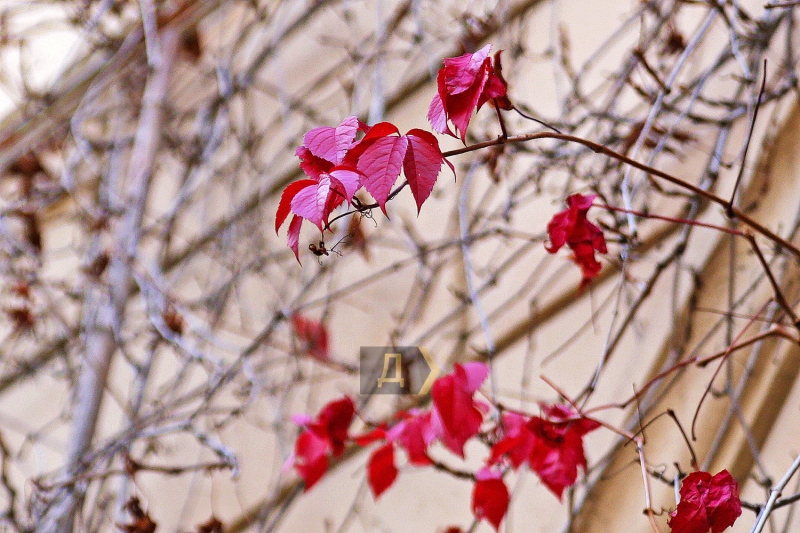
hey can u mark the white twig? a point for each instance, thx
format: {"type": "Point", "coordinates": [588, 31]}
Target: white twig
{"type": "Point", "coordinates": [775, 493]}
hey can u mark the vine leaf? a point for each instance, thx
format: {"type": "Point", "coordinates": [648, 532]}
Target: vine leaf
{"type": "Point", "coordinates": [707, 503]}
{"type": "Point", "coordinates": [381, 471]}
{"type": "Point", "coordinates": [490, 498]}
{"type": "Point", "coordinates": [464, 84]}
{"type": "Point", "coordinates": [572, 227]}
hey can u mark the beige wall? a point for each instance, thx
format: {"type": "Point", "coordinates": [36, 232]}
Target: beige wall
{"type": "Point", "coordinates": [533, 306]}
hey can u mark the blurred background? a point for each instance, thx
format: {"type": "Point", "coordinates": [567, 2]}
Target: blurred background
{"type": "Point", "coordinates": [147, 348]}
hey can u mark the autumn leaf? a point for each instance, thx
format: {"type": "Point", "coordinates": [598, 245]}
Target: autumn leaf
{"type": "Point", "coordinates": [324, 436]}
{"type": "Point", "coordinates": [330, 183]}
{"type": "Point", "coordinates": [332, 144]}
{"type": "Point", "coordinates": [464, 84]}
{"type": "Point", "coordinates": [516, 442]}
{"type": "Point", "coordinates": [415, 433]}
{"type": "Point", "coordinates": [140, 520]}
{"type": "Point", "coordinates": [314, 200]}
{"type": "Point", "coordinates": [422, 164]}
{"type": "Point", "coordinates": [381, 164]}
{"type": "Point", "coordinates": [337, 166]}
{"type": "Point", "coordinates": [284, 206]}
{"type": "Point", "coordinates": [293, 236]}
{"type": "Point", "coordinates": [552, 445]}
{"type": "Point", "coordinates": [374, 435]}
{"type": "Point", "coordinates": [490, 498]}
{"type": "Point", "coordinates": [558, 452]}
{"type": "Point", "coordinates": [455, 411]}
{"type": "Point", "coordinates": [311, 457]}
{"type": "Point", "coordinates": [333, 422]}
{"type": "Point", "coordinates": [383, 152]}
{"type": "Point", "coordinates": [707, 503]}
{"type": "Point", "coordinates": [317, 199]}
{"type": "Point", "coordinates": [571, 227]}
{"type": "Point", "coordinates": [313, 336]}
{"type": "Point", "coordinates": [381, 471]}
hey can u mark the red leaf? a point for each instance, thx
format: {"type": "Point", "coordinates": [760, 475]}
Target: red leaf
{"type": "Point", "coordinates": [311, 457]}
{"type": "Point", "coordinates": [464, 84]}
{"type": "Point", "coordinates": [334, 420]}
{"type": "Point", "coordinates": [422, 164]}
{"type": "Point", "coordinates": [415, 434]}
{"type": "Point", "coordinates": [318, 199]}
{"type": "Point", "coordinates": [490, 500]}
{"type": "Point", "coordinates": [379, 433]}
{"type": "Point", "coordinates": [312, 335]}
{"type": "Point", "coordinates": [331, 144]}
{"type": "Point", "coordinates": [312, 165]}
{"type": "Point", "coordinates": [437, 116]}
{"type": "Point", "coordinates": [323, 436]}
{"type": "Point", "coordinates": [293, 235]}
{"type": "Point", "coordinates": [707, 503]}
{"type": "Point", "coordinates": [381, 164]}
{"type": "Point", "coordinates": [558, 447]}
{"type": "Point", "coordinates": [381, 471]}
{"type": "Point", "coordinates": [472, 375]}
{"type": "Point", "coordinates": [349, 178]}
{"type": "Point", "coordinates": [288, 195]}
{"type": "Point", "coordinates": [517, 442]}
{"type": "Point", "coordinates": [311, 202]}
{"type": "Point", "coordinates": [571, 227]}
{"type": "Point", "coordinates": [378, 131]}
{"type": "Point", "coordinates": [454, 408]}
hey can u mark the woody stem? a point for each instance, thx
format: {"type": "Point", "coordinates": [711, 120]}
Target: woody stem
{"type": "Point", "coordinates": [730, 211]}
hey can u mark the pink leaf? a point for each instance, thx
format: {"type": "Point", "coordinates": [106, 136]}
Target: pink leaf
{"type": "Point", "coordinates": [311, 202]}
{"type": "Point", "coordinates": [422, 164]}
{"type": "Point", "coordinates": [415, 434]}
{"type": "Point", "coordinates": [312, 165]}
{"type": "Point", "coordinates": [437, 115]}
{"type": "Point", "coordinates": [350, 178]}
{"type": "Point", "coordinates": [464, 84]}
{"type": "Point", "coordinates": [474, 374]}
{"type": "Point", "coordinates": [380, 164]}
{"type": "Point", "coordinates": [516, 443]}
{"type": "Point", "coordinates": [311, 457]}
{"type": "Point", "coordinates": [454, 407]}
{"type": "Point", "coordinates": [490, 500]}
{"type": "Point", "coordinates": [301, 419]}
{"type": "Point", "coordinates": [312, 335]}
{"type": "Point", "coordinates": [331, 144]}
{"type": "Point", "coordinates": [381, 471]}
{"type": "Point", "coordinates": [284, 207]}
{"type": "Point", "coordinates": [293, 235]}
{"type": "Point", "coordinates": [463, 70]}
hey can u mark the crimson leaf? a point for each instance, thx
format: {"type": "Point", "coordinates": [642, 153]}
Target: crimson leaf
{"type": "Point", "coordinates": [490, 500]}
{"type": "Point", "coordinates": [422, 164]}
{"type": "Point", "coordinates": [454, 408]}
{"type": "Point", "coordinates": [312, 335]}
{"type": "Point", "coordinates": [707, 503]}
{"type": "Point", "coordinates": [381, 471]}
